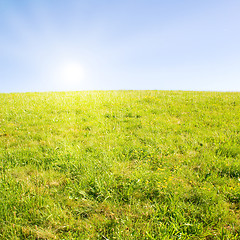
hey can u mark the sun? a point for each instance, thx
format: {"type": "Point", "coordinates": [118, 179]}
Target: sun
{"type": "Point", "coordinates": [71, 73]}
{"type": "Point", "coordinates": [67, 74]}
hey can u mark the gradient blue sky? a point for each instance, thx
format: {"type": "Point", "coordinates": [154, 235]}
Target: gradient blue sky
{"type": "Point", "coordinates": [61, 45]}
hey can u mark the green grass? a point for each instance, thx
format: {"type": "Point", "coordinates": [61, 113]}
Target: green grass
{"type": "Point", "coordinates": [120, 165]}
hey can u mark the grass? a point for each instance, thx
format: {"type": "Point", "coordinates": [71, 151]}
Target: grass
{"type": "Point", "coordinates": [120, 165]}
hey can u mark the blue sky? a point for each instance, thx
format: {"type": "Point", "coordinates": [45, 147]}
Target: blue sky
{"type": "Point", "coordinates": [59, 45]}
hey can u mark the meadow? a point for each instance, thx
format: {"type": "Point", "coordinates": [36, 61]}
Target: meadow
{"type": "Point", "coordinates": [120, 165]}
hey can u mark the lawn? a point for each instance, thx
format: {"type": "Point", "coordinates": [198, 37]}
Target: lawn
{"type": "Point", "coordinates": [120, 165]}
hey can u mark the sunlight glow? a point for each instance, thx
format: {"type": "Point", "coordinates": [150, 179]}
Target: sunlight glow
{"type": "Point", "coordinates": [71, 73]}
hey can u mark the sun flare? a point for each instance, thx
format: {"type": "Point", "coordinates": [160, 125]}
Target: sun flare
{"type": "Point", "coordinates": [71, 73]}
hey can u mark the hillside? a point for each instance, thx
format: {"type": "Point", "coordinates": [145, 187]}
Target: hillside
{"type": "Point", "coordinates": [120, 165]}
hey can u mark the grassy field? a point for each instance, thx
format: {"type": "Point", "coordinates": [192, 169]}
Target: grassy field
{"type": "Point", "coordinates": [120, 165]}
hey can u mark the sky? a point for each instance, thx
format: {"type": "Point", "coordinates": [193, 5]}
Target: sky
{"type": "Point", "coordinates": [68, 45]}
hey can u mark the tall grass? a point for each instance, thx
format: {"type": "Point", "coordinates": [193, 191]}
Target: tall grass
{"type": "Point", "coordinates": [120, 165]}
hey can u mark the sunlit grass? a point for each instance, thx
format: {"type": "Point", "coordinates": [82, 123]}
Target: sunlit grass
{"type": "Point", "coordinates": [120, 165]}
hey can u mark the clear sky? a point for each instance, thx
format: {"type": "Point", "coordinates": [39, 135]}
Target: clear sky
{"type": "Point", "coordinates": [61, 45]}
